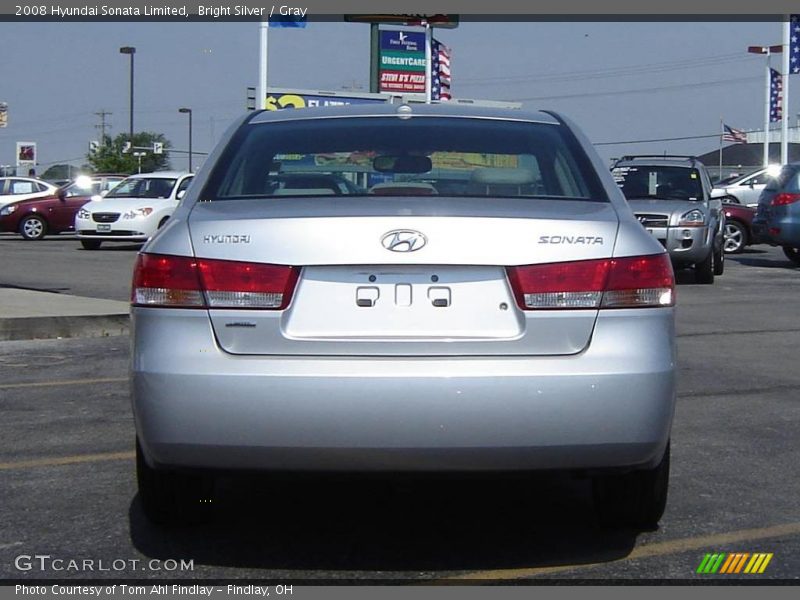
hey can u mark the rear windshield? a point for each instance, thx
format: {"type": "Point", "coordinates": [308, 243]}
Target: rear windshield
{"type": "Point", "coordinates": [422, 156]}
{"type": "Point", "coordinates": [788, 180]}
{"type": "Point", "coordinates": [143, 187]}
{"type": "Point", "coordinates": [661, 182]}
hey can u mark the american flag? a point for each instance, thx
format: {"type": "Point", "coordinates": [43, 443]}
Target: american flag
{"type": "Point", "coordinates": [794, 45]}
{"type": "Point", "coordinates": [440, 71]}
{"type": "Point", "coordinates": [729, 134]}
{"type": "Point", "coordinates": [775, 95]}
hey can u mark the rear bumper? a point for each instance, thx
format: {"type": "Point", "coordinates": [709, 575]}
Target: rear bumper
{"type": "Point", "coordinates": [196, 406]}
{"type": "Point", "coordinates": [788, 227]}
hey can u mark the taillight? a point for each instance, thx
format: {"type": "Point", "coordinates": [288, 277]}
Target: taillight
{"type": "Point", "coordinates": [631, 282]}
{"type": "Point", "coordinates": [784, 199]}
{"type": "Point", "coordinates": [182, 282]}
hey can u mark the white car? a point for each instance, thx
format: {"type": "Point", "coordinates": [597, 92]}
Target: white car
{"type": "Point", "coordinates": [14, 189]}
{"type": "Point", "coordinates": [133, 211]}
{"type": "Point", "coordinates": [745, 189]}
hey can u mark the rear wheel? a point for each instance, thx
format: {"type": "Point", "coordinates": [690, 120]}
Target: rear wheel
{"type": "Point", "coordinates": [792, 253]}
{"type": "Point", "coordinates": [704, 271]}
{"type": "Point", "coordinates": [735, 237]}
{"type": "Point", "coordinates": [90, 244]}
{"type": "Point", "coordinates": [635, 499]}
{"type": "Point", "coordinates": [172, 498]}
{"type": "Point", "coordinates": [33, 227]}
{"type": "Point", "coordinates": [719, 257]}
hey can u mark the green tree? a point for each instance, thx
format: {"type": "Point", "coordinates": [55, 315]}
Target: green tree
{"type": "Point", "coordinates": [110, 158]}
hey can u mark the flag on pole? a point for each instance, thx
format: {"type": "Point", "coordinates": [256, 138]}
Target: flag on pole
{"type": "Point", "coordinates": [287, 21]}
{"type": "Point", "coordinates": [440, 71]}
{"type": "Point", "coordinates": [775, 96]}
{"type": "Point", "coordinates": [794, 45]}
{"type": "Point", "coordinates": [729, 134]}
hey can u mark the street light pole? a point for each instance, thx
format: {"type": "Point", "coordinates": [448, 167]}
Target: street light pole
{"type": "Point", "coordinates": [189, 112]}
{"type": "Point", "coordinates": [768, 50]}
{"type": "Point", "coordinates": [130, 50]}
{"type": "Point", "coordinates": [139, 155]}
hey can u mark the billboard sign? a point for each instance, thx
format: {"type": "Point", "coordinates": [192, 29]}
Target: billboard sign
{"type": "Point", "coordinates": [280, 100]}
{"type": "Point", "coordinates": [402, 62]}
{"type": "Point", "coordinates": [438, 20]}
{"type": "Point", "coordinates": [26, 154]}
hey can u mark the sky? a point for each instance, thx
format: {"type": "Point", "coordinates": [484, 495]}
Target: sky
{"type": "Point", "coordinates": [618, 81]}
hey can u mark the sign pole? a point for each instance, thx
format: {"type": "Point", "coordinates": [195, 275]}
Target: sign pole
{"type": "Point", "coordinates": [787, 34]}
{"type": "Point", "coordinates": [428, 73]}
{"type": "Point", "coordinates": [263, 62]}
{"type": "Point", "coordinates": [766, 113]}
{"type": "Point", "coordinates": [374, 56]}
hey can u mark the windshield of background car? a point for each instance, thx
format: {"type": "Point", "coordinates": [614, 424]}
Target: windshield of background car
{"type": "Point", "coordinates": [660, 182]}
{"type": "Point", "coordinates": [387, 156]}
{"type": "Point", "coordinates": [143, 187]}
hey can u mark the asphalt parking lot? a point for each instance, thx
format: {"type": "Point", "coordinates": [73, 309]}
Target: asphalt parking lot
{"type": "Point", "coordinates": [67, 486]}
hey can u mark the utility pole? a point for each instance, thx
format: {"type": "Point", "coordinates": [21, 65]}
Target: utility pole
{"type": "Point", "coordinates": [102, 113]}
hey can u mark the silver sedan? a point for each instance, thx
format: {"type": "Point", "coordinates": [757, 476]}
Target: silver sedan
{"type": "Point", "coordinates": [478, 297]}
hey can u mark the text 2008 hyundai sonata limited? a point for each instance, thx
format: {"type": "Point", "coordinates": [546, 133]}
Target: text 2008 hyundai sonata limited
{"type": "Point", "coordinates": [478, 297]}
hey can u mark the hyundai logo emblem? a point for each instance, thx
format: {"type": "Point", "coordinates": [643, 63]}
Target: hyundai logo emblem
{"type": "Point", "coordinates": [403, 240]}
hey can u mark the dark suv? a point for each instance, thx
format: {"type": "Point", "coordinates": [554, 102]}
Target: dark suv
{"type": "Point", "coordinates": [37, 217]}
{"type": "Point", "coordinates": [777, 219]}
{"type": "Point", "coordinates": [671, 197]}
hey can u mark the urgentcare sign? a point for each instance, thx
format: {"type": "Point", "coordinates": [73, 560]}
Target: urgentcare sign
{"type": "Point", "coordinates": [402, 62]}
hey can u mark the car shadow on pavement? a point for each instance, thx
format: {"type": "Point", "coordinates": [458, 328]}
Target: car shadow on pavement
{"type": "Point", "coordinates": [769, 263]}
{"type": "Point", "coordinates": [114, 248]}
{"type": "Point", "coordinates": [335, 528]}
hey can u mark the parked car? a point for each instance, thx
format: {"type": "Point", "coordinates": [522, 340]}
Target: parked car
{"type": "Point", "coordinates": [133, 211]}
{"type": "Point", "coordinates": [671, 197]}
{"type": "Point", "coordinates": [15, 189]}
{"type": "Point", "coordinates": [738, 227]}
{"type": "Point", "coordinates": [745, 189]}
{"type": "Point", "coordinates": [777, 219]}
{"type": "Point", "coordinates": [54, 213]}
{"type": "Point", "coordinates": [525, 321]}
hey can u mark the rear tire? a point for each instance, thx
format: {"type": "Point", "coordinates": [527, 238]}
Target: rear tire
{"type": "Point", "coordinates": [90, 244]}
{"type": "Point", "coordinates": [635, 499]}
{"type": "Point", "coordinates": [719, 257]}
{"type": "Point", "coordinates": [170, 498]}
{"type": "Point", "coordinates": [704, 271]}
{"type": "Point", "coordinates": [792, 253]}
{"type": "Point", "coordinates": [33, 227]}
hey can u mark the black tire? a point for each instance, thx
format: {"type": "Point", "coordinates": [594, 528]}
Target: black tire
{"type": "Point", "coordinates": [635, 499]}
{"type": "Point", "coordinates": [170, 498]}
{"type": "Point", "coordinates": [736, 237]}
{"type": "Point", "coordinates": [33, 227]}
{"type": "Point", "coordinates": [704, 271]}
{"type": "Point", "coordinates": [731, 200]}
{"type": "Point", "coordinates": [792, 253]}
{"type": "Point", "coordinates": [90, 244]}
{"type": "Point", "coordinates": [719, 257]}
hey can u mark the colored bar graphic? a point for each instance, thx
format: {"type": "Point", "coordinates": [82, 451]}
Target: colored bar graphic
{"type": "Point", "coordinates": [734, 563]}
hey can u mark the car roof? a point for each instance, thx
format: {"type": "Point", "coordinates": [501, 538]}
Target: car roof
{"type": "Point", "coordinates": [160, 175]}
{"type": "Point", "coordinates": [684, 163]}
{"type": "Point", "coordinates": [385, 110]}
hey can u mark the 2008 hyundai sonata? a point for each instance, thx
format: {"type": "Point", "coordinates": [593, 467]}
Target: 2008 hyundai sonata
{"type": "Point", "coordinates": [404, 288]}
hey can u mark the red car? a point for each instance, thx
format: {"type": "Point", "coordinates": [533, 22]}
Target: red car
{"type": "Point", "coordinates": [35, 218]}
{"type": "Point", "coordinates": [738, 232]}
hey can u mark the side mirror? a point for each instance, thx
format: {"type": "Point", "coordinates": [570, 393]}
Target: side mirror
{"type": "Point", "coordinates": [104, 192]}
{"type": "Point", "coordinates": [181, 194]}
{"type": "Point", "coordinates": [62, 194]}
{"type": "Point", "coordinates": [750, 184]}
